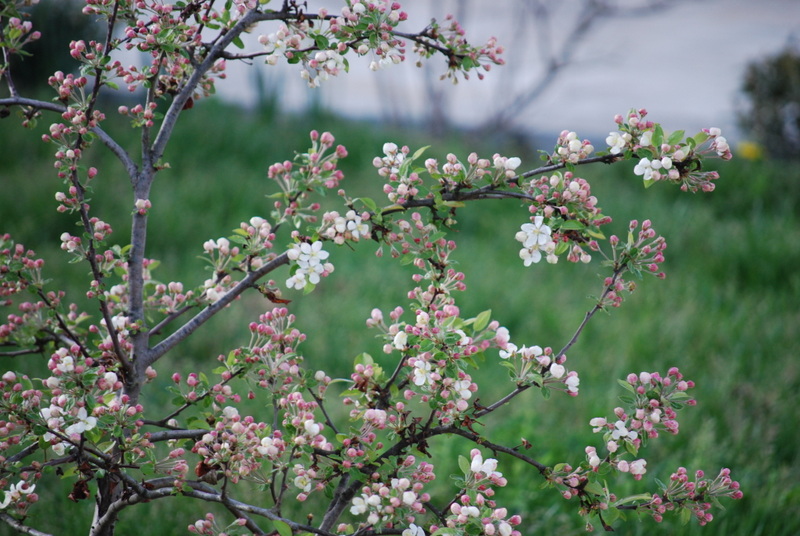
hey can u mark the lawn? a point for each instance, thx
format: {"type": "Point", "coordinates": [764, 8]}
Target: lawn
{"type": "Point", "coordinates": [727, 314]}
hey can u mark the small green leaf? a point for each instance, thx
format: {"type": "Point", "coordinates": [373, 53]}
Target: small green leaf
{"type": "Point", "coordinates": [283, 528]}
{"type": "Point", "coordinates": [700, 138]}
{"type": "Point", "coordinates": [363, 359]}
{"type": "Point", "coordinates": [482, 320]}
{"type": "Point", "coordinates": [658, 136]}
{"type": "Point", "coordinates": [633, 498]}
{"type": "Point", "coordinates": [648, 183]}
{"type": "Point", "coordinates": [464, 465]}
{"type": "Point", "coordinates": [419, 152]}
{"type": "Point", "coordinates": [369, 203]}
{"type": "Point", "coordinates": [676, 137]}
{"type": "Point", "coordinates": [321, 41]}
{"type": "Point", "coordinates": [610, 515]}
{"type": "Point", "coordinates": [572, 225]}
{"type": "Point", "coordinates": [685, 516]}
{"type": "Point", "coordinates": [625, 385]}
{"type": "Point", "coordinates": [595, 234]}
{"type": "Point", "coordinates": [594, 488]}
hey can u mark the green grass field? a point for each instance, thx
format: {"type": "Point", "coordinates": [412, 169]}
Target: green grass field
{"type": "Point", "coordinates": [727, 315]}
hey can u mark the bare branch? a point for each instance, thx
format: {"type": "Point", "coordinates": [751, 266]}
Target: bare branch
{"type": "Point", "coordinates": [19, 527]}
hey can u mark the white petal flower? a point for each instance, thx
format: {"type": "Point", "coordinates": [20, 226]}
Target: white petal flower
{"type": "Point", "coordinates": [84, 423]}
{"type": "Point", "coordinates": [413, 530]}
{"type": "Point", "coordinates": [620, 432]}
{"type": "Point", "coordinates": [400, 340]}
{"type": "Point", "coordinates": [422, 373]}
{"type": "Point", "coordinates": [557, 370]}
{"type": "Point", "coordinates": [638, 467]}
{"type": "Point", "coordinates": [572, 382]}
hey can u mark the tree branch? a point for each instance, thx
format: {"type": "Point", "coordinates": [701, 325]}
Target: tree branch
{"type": "Point", "coordinates": [19, 527]}
{"type": "Point", "coordinates": [130, 167]}
{"type": "Point", "coordinates": [200, 318]}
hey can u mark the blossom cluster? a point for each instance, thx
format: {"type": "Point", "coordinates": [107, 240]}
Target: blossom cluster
{"type": "Point", "coordinates": [475, 506]}
{"type": "Point", "coordinates": [534, 365]}
{"type": "Point", "coordinates": [312, 170]}
{"type": "Point", "coordinates": [463, 56]}
{"type": "Point", "coordinates": [536, 237]}
{"type": "Point", "coordinates": [235, 446]}
{"type": "Point", "coordinates": [309, 264]}
{"type": "Point", "coordinates": [696, 496]}
{"type": "Point", "coordinates": [570, 149]}
{"type": "Point", "coordinates": [381, 502]}
{"type": "Point", "coordinates": [17, 33]}
{"type": "Point", "coordinates": [651, 408]}
{"type": "Point", "coordinates": [209, 526]}
{"type": "Point", "coordinates": [667, 158]}
{"type": "Point", "coordinates": [399, 497]}
{"type": "Point", "coordinates": [351, 226]}
{"type": "Point", "coordinates": [642, 253]}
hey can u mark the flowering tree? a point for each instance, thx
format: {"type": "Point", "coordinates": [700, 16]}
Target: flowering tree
{"type": "Point", "coordinates": [88, 417]}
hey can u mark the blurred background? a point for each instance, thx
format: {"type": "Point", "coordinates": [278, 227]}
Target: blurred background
{"type": "Point", "coordinates": [727, 315]}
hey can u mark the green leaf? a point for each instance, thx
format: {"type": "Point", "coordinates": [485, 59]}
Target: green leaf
{"type": "Point", "coordinates": [363, 359]}
{"type": "Point", "coordinates": [685, 516]}
{"type": "Point", "coordinates": [595, 234]}
{"type": "Point", "coordinates": [676, 137]}
{"type": "Point", "coordinates": [70, 472]}
{"type": "Point", "coordinates": [321, 41]}
{"type": "Point", "coordinates": [648, 183]}
{"type": "Point", "coordinates": [196, 422]}
{"type": "Point", "coordinates": [633, 498]}
{"type": "Point", "coordinates": [419, 152]}
{"type": "Point", "coordinates": [572, 225]}
{"type": "Point", "coordinates": [594, 488]}
{"type": "Point", "coordinates": [625, 385]}
{"type": "Point", "coordinates": [369, 203]}
{"type": "Point", "coordinates": [610, 515]}
{"type": "Point", "coordinates": [482, 320]}
{"type": "Point", "coordinates": [283, 528]}
{"type": "Point", "coordinates": [700, 138]}
{"type": "Point", "coordinates": [658, 136]}
{"type": "Point", "coordinates": [464, 465]}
